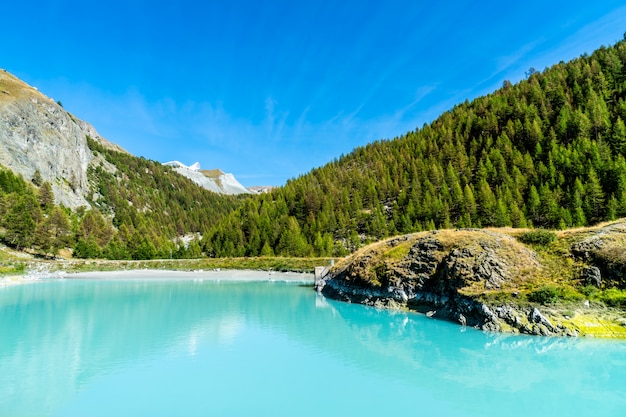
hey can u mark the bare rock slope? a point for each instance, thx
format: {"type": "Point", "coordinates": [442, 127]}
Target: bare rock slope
{"type": "Point", "coordinates": [37, 134]}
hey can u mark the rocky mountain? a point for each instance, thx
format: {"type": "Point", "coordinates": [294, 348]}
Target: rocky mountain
{"type": "Point", "coordinates": [37, 134]}
{"type": "Point", "coordinates": [261, 189]}
{"type": "Point", "coordinates": [212, 180]}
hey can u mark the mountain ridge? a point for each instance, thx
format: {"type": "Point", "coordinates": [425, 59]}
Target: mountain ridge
{"type": "Point", "coordinates": [547, 152]}
{"type": "Point", "coordinates": [62, 185]}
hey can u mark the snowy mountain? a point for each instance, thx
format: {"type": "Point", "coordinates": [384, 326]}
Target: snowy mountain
{"type": "Point", "coordinates": [213, 180]}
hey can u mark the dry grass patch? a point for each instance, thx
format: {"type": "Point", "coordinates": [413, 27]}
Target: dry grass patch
{"type": "Point", "coordinates": [11, 88]}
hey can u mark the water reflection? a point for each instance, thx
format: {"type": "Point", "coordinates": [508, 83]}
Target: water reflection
{"type": "Point", "coordinates": [557, 375]}
{"type": "Point", "coordinates": [58, 338]}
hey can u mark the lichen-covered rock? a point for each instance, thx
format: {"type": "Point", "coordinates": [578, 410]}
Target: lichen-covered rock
{"type": "Point", "coordinates": [535, 316]}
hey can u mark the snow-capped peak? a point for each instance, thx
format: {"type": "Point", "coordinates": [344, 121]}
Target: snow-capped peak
{"type": "Point", "coordinates": [214, 180]}
{"type": "Point", "coordinates": [177, 164]}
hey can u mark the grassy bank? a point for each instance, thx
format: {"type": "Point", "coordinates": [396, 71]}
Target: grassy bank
{"type": "Point", "coordinates": [282, 264]}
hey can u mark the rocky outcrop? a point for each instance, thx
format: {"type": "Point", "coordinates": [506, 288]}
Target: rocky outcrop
{"type": "Point", "coordinates": [37, 134]}
{"type": "Point", "coordinates": [604, 249]}
{"type": "Point", "coordinates": [591, 276]}
{"type": "Point", "coordinates": [443, 275]}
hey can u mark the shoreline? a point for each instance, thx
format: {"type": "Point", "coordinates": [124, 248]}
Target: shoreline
{"type": "Point", "coordinates": [10, 280]}
{"type": "Point", "coordinates": [244, 275]}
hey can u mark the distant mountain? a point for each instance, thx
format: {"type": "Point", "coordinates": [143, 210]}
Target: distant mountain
{"type": "Point", "coordinates": [260, 189]}
{"type": "Point", "coordinates": [213, 180]}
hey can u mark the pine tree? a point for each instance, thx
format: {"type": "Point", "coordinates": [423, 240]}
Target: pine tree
{"type": "Point", "coordinates": [20, 224]}
{"type": "Point", "coordinates": [291, 242]}
{"type": "Point", "coordinates": [487, 203]}
{"type": "Point", "coordinates": [593, 200]}
{"type": "Point", "coordinates": [533, 206]}
{"type": "Point", "coordinates": [267, 250]}
{"type": "Point", "coordinates": [46, 197]}
{"type": "Point", "coordinates": [618, 136]}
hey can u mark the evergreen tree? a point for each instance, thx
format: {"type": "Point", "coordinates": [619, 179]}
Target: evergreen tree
{"type": "Point", "coordinates": [46, 197]}
{"type": "Point", "coordinates": [593, 200]}
{"type": "Point", "coordinates": [20, 223]}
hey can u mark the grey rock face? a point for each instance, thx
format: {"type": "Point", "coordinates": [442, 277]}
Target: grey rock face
{"type": "Point", "coordinates": [592, 276]}
{"type": "Point", "coordinates": [536, 317]}
{"type": "Point", "coordinates": [587, 247]}
{"type": "Point", "coordinates": [606, 254]}
{"type": "Point", "coordinates": [37, 134]}
{"type": "Point", "coordinates": [465, 265]}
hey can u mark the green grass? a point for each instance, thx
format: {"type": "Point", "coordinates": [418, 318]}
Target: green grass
{"type": "Point", "coordinates": [11, 262]}
{"type": "Point", "coordinates": [12, 268]}
{"type": "Point", "coordinates": [612, 297]}
{"type": "Point", "coordinates": [282, 264]}
{"type": "Point", "coordinates": [398, 252]}
{"type": "Point", "coordinates": [551, 294]}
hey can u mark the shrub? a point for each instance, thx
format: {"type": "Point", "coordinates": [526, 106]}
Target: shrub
{"type": "Point", "coordinates": [546, 294]}
{"type": "Point", "coordinates": [570, 294]}
{"type": "Point", "coordinates": [590, 291]}
{"type": "Point", "coordinates": [19, 267]}
{"type": "Point", "coordinates": [614, 297]}
{"type": "Point", "coordinates": [537, 237]}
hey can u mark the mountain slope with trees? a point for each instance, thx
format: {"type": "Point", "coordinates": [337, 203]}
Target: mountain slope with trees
{"type": "Point", "coordinates": [140, 209]}
{"type": "Point", "coordinates": [62, 185]}
{"type": "Point", "coordinates": [546, 152]}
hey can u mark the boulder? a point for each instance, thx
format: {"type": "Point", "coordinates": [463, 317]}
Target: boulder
{"type": "Point", "coordinates": [591, 276]}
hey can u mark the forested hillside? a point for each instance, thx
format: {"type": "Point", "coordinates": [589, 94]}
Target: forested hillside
{"type": "Point", "coordinates": [141, 209]}
{"type": "Point", "coordinates": [546, 152]}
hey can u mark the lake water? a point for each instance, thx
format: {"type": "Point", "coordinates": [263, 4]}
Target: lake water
{"type": "Point", "coordinates": [205, 348]}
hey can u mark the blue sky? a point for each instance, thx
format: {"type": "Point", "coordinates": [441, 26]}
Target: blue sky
{"type": "Point", "coordinates": [270, 90]}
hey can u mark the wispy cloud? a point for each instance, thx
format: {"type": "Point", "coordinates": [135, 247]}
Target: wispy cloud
{"type": "Point", "coordinates": [302, 127]}
{"type": "Point", "coordinates": [505, 62]}
{"type": "Point", "coordinates": [604, 31]}
{"type": "Point", "coordinates": [420, 94]}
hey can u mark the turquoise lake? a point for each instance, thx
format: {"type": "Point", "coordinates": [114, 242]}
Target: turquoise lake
{"type": "Point", "coordinates": [73, 347]}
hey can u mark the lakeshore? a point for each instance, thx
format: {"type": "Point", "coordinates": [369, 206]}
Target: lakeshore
{"type": "Point", "coordinates": [243, 275]}
{"type": "Point", "coordinates": [212, 275]}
